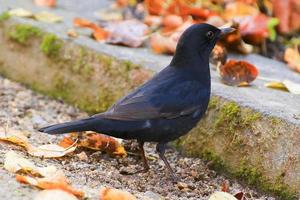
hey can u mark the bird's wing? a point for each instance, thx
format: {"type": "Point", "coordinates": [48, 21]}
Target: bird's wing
{"type": "Point", "coordinates": [169, 100]}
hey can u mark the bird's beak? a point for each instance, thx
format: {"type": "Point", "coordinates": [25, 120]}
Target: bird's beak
{"type": "Point", "coordinates": [225, 31]}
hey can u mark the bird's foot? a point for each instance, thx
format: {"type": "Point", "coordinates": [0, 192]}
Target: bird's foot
{"type": "Point", "coordinates": [175, 178]}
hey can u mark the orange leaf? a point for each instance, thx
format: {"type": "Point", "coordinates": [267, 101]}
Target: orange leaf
{"type": "Point", "coordinates": [155, 7]}
{"type": "Point", "coordinates": [58, 181]}
{"type": "Point", "coordinates": [236, 72]}
{"type": "Point", "coordinates": [45, 3]}
{"type": "Point", "coordinates": [171, 22]}
{"type": "Point", "coordinates": [115, 194]}
{"type": "Point", "coordinates": [98, 32]}
{"type": "Point", "coordinates": [95, 141]}
{"type": "Point", "coordinates": [225, 187]}
{"type": "Point", "coordinates": [162, 44]}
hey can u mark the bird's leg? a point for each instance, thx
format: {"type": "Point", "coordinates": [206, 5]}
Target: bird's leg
{"type": "Point", "coordinates": [145, 163]}
{"type": "Point", "coordinates": [161, 148]}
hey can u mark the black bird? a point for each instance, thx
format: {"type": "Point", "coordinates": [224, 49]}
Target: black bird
{"type": "Point", "coordinates": [167, 106]}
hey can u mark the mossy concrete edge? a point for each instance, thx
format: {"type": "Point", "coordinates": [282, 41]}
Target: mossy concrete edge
{"type": "Point", "coordinates": [237, 140]}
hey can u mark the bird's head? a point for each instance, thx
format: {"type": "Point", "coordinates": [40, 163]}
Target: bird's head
{"type": "Point", "coordinates": [197, 42]}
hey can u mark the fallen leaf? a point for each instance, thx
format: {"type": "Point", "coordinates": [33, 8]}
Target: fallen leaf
{"type": "Point", "coordinates": [285, 85]}
{"type": "Point", "coordinates": [276, 85]}
{"type": "Point", "coordinates": [225, 187]}
{"type": "Point", "coordinates": [218, 55]}
{"type": "Point", "coordinates": [20, 12]}
{"type": "Point", "coordinates": [46, 151]}
{"type": "Point", "coordinates": [128, 32]}
{"type": "Point", "coordinates": [14, 136]}
{"type": "Point", "coordinates": [236, 9]}
{"type": "Point", "coordinates": [54, 194]}
{"type": "Point", "coordinates": [239, 195]}
{"type": "Point", "coordinates": [45, 3]}
{"type": "Point", "coordinates": [221, 196]}
{"type": "Point", "coordinates": [115, 194]}
{"type": "Point", "coordinates": [47, 17]}
{"type": "Point", "coordinates": [56, 181]}
{"type": "Point", "coordinates": [288, 13]}
{"type": "Point", "coordinates": [254, 29]}
{"type": "Point", "coordinates": [292, 57]}
{"type": "Point", "coordinates": [162, 44]}
{"type": "Point", "coordinates": [95, 141]}
{"type": "Point", "coordinates": [155, 7]}
{"type": "Point", "coordinates": [234, 42]}
{"type": "Point", "coordinates": [98, 33]}
{"type": "Point", "coordinates": [171, 22]}
{"type": "Point", "coordinates": [15, 163]}
{"type": "Point", "coordinates": [50, 150]}
{"type": "Point", "coordinates": [236, 72]}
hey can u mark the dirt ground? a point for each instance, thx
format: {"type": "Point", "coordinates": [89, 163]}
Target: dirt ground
{"type": "Point", "coordinates": [22, 109]}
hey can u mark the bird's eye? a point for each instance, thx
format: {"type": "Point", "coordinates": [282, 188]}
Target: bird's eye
{"type": "Point", "coordinates": [210, 35]}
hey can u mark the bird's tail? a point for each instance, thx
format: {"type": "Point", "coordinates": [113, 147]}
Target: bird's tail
{"type": "Point", "coordinates": [68, 127]}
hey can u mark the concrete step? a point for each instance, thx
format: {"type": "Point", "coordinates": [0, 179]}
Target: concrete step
{"type": "Point", "coordinates": [249, 132]}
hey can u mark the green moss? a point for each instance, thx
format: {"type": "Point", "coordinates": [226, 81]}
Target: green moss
{"type": "Point", "coordinates": [254, 177]}
{"type": "Point", "coordinates": [4, 16]}
{"type": "Point", "coordinates": [213, 102]}
{"type": "Point", "coordinates": [229, 118]}
{"type": "Point", "coordinates": [249, 117]}
{"type": "Point", "coordinates": [22, 32]}
{"type": "Point", "coordinates": [51, 45]}
{"type": "Point", "coordinates": [216, 162]}
{"type": "Point", "coordinates": [82, 65]}
{"type": "Point", "coordinates": [129, 65]}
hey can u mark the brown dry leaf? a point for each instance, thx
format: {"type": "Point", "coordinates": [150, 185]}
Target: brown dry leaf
{"type": "Point", "coordinates": [130, 33]}
{"type": "Point", "coordinates": [221, 196]}
{"type": "Point", "coordinates": [98, 33]}
{"type": "Point", "coordinates": [47, 17]}
{"type": "Point", "coordinates": [234, 42]}
{"type": "Point", "coordinates": [45, 3]}
{"type": "Point", "coordinates": [95, 141]}
{"type": "Point", "coordinates": [54, 194]}
{"type": "Point", "coordinates": [225, 187]}
{"type": "Point", "coordinates": [115, 194]}
{"type": "Point", "coordinates": [47, 151]}
{"type": "Point", "coordinates": [14, 136]}
{"type": "Point", "coordinates": [56, 181]}
{"type": "Point", "coordinates": [239, 196]}
{"type": "Point", "coordinates": [50, 150]}
{"type": "Point", "coordinates": [254, 29]}
{"type": "Point", "coordinates": [218, 55]}
{"type": "Point", "coordinates": [15, 163]}
{"type": "Point", "coordinates": [292, 57]}
{"type": "Point", "coordinates": [237, 72]}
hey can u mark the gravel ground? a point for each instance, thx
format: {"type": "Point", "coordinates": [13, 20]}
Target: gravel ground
{"type": "Point", "coordinates": [23, 109]}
